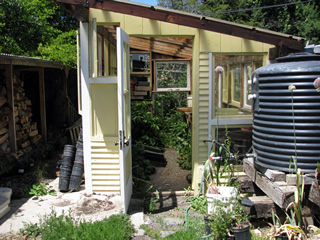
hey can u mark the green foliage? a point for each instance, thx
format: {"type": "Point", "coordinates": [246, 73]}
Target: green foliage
{"type": "Point", "coordinates": [42, 189]}
{"type": "Point", "coordinates": [198, 204]}
{"type": "Point", "coordinates": [141, 169]}
{"type": "Point", "coordinates": [27, 24]}
{"type": "Point", "coordinates": [302, 19]}
{"type": "Point", "coordinates": [153, 233]}
{"type": "Point", "coordinates": [179, 137]}
{"type": "Point", "coordinates": [146, 125]}
{"type": "Point", "coordinates": [185, 234]}
{"type": "Point", "coordinates": [221, 224]}
{"type": "Point", "coordinates": [151, 202]}
{"type": "Point", "coordinates": [53, 227]}
{"type": "Point", "coordinates": [61, 49]}
{"type": "Point", "coordinates": [159, 124]}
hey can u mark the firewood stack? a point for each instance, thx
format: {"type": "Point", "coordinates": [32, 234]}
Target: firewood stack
{"type": "Point", "coordinates": [26, 130]}
{"type": "Point", "coordinates": [4, 110]}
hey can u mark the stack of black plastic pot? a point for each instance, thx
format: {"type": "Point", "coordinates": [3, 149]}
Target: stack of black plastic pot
{"type": "Point", "coordinates": [78, 168]}
{"type": "Point", "coordinates": [71, 168]}
{"type": "Point", "coordinates": [66, 167]}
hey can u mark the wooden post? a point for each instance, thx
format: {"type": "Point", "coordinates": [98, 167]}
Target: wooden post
{"type": "Point", "coordinates": [42, 104]}
{"type": "Point", "coordinates": [10, 99]}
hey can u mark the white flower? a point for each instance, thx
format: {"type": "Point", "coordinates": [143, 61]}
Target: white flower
{"type": "Point", "coordinates": [219, 69]}
{"type": "Point", "coordinates": [292, 88]}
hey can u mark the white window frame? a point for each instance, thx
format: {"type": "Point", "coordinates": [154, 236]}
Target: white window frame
{"type": "Point", "coordinates": [188, 88]}
{"type": "Point", "coordinates": [246, 84]}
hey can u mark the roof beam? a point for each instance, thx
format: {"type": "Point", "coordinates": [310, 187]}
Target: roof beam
{"type": "Point", "coordinates": [190, 20]}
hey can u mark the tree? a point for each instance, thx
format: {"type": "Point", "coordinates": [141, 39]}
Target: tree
{"type": "Point", "coordinates": [32, 27]}
{"type": "Point", "coordinates": [295, 17]}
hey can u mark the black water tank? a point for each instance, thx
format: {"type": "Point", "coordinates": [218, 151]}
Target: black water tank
{"type": "Point", "coordinates": [273, 125]}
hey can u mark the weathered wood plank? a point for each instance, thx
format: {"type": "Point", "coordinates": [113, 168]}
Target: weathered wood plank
{"type": "Point", "coordinates": [278, 191]}
{"type": "Point", "coordinates": [314, 195]}
{"type": "Point", "coordinates": [262, 206]}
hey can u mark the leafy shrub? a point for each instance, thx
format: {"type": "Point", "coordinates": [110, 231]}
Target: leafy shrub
{"type": "Point", "coordinates": [42, 189]}
{"type": "Point", "coordinates": [141, 168]}
{"type": "Point", "coordinates": [145, 125]}
{"type": "Point", "coordinates": [54, 227]}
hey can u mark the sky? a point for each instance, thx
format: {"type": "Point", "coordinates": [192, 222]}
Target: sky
{"type": "Point", "coordinates": [150, 2]}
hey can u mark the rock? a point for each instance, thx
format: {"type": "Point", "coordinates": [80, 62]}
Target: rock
{"type": "Point", "coordinates": [173, 221]}
{"type": "Point", "coordinates": [166, 233]}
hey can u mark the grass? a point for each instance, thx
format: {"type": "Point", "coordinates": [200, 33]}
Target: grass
{"type": "Point", "coordinates": [53, 227]}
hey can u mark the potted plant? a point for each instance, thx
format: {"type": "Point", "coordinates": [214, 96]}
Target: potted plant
{"type": "Point", "coordinates": [213, 171]}
{"type": "Point", "coordinates": [240, 223]}
{"type": "Point", "coordinates": [218, 224]}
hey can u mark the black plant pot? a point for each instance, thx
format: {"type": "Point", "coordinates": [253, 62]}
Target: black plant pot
{"type": "Point", "coordinates": [242, 231]}
{"type": "Point", "coordinates": [282, 237]}
{"type": "Point", "coordinates": [207, 222]}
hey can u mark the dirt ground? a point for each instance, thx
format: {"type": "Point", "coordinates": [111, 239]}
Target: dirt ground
{"type": "Point", "coordinates": [172, 177]}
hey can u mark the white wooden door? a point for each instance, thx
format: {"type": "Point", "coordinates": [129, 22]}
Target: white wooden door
{"type": "Point", "coordinates": [124, 117]}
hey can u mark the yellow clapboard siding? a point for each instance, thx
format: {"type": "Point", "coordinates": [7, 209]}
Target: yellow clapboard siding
{"type": "Point", "coordinates": [99, 177]}
{"type": "Point", "coordinates": [104, 156]}
{"type": "Point", "coordinates": [106, 166]}
{"type": "Point", "coordinates": [105, 161]}
{"type": "Point", "coordinates": [106, 172]}
{"type": "Point", "coordinates": [105, 183]}
{"type": "Point", "coordinates": [106, 188]}
{"type": "Point", "coordinates": [104, 150]}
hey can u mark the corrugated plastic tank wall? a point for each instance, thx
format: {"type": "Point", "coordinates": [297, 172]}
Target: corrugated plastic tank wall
{"type": "Point", "coordinates": [273, 125]}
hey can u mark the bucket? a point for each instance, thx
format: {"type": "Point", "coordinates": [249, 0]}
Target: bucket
{"type": "Point", "coordinates": [226, 196]}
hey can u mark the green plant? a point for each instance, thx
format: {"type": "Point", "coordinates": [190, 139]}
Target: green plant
{"type": "Point", "coordinates": [153, 233]}
{"type": "Point", "coordinates": [239, 215]}
{"type": "Point", "coordinates": [222, 222]}
{"type": "Point", "coordinates": [54, 227]}
{"type": "Point", "coordinates": [141, 169]}
{"type": "Point", "coordinates": [198, 203]}
{"type": "Point", "coordinates": [42, 189]}
{"type": "Point", "coordinates": [151, 203]}
{"type": "Point", "coordinates": [30, 230]}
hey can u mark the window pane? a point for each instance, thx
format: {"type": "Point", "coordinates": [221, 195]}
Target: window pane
{"type": "Point", "coordinates": [172, 75]}
{"type": "Point", "coordinates": [236, 83]}
{"type": "Point", "coordinates": [140, 62]}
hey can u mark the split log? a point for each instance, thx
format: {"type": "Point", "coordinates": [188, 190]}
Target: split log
{"type": "Point", "coordinates": [33, 133]}
{"type": "Point", "coordinates": [25, 144]}
{"type": "Point", "coordinates": [4, 138]}
{"type": "Point", "coordinates": [3, 131]}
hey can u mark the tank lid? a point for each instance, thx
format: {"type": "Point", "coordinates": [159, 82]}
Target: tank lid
{"type": "Point", "coordinates": [300, 56]}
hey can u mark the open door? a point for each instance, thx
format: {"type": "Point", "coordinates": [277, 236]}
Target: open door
{"type": "Point", "coordinates": [124, 118]}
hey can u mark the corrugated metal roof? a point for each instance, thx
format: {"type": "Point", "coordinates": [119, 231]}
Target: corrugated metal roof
{"type": "Point", "coordinates": [28, 61]}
